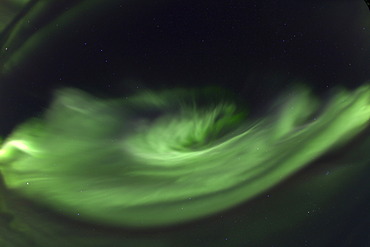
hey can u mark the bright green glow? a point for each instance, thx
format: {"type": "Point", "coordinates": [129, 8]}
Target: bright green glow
{"type": "Point", "coordinates": [164, 158]}
{"type": "Point", "coordinates": [16, 144]}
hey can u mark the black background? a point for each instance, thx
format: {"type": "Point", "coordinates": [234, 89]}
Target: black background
{"type": "Point", "coordinates": [254, 48]}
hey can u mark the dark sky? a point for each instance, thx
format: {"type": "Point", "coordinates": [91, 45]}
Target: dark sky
{"type": "Point", "coordinates": [254, 48]}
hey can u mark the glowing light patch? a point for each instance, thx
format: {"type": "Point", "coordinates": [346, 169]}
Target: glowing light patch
{"type": "Point", "coordinates": [137, 162]}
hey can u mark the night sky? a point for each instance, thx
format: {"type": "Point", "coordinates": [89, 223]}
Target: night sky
{"type": "Point", "coordinates": [256, 50]}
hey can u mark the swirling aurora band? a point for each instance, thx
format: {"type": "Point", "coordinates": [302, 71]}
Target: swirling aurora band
{"type": "Point", "coordinates": [163, 158]}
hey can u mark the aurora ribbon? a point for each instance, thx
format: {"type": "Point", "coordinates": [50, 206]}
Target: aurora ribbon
{"type": "Point", "coordinates": [161, 158]}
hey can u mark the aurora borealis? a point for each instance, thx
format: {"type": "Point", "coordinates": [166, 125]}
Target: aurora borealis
{"type": "Point", "coordinates": [169, 164]}
{"type": "Point", "coordinates": [176, 124]}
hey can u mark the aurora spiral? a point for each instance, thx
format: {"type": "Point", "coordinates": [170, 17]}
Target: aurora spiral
{"type": "Point", "coordinates": [160, 158]}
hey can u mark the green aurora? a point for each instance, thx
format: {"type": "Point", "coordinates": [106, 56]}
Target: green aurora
{"type": "Point", "coordinates": [183, 167]}
{"type": "Point", "coordinates": [163, 158]}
